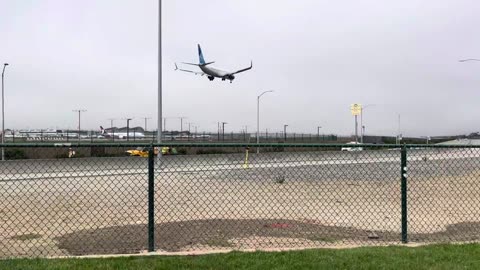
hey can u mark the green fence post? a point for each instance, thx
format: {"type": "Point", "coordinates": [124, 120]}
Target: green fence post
{"type": "Point", "coordinates": [151, 201]}
{"type": "Point", "coordinates": [404, 194]}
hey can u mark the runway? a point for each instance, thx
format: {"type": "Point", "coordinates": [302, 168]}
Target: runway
{"type": "Point", "coordinates": [24, 170]}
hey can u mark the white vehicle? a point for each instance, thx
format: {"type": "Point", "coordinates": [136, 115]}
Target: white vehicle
{"type": "Point", "coordinates": [352, 148]}
{"type": "Point", "coordinates": [212, 72]}
{"type": "Point", "coordinates": [121, 135]}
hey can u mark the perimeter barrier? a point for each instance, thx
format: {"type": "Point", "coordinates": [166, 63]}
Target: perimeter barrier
{"type": "Point", "coordinates": [79, 199]}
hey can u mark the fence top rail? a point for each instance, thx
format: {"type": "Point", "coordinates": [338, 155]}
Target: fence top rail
{"type": "Point", "coordinates": [233, 145]}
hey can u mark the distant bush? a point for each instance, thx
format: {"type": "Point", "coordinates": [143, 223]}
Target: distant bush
{"type": "Point", "coordinates": [15, 154]}
{"type": "Point", "coordinates": [182, 151]}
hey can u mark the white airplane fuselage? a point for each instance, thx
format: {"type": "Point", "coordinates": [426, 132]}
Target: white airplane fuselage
{"type": "Point", "coordinates": [211, 71]}
{"type": "Point", "coordinates": [123, 135]}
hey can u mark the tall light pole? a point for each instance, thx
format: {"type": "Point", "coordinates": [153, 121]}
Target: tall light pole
{"type": "Point", "coordinates": [128, 128]}
{"type": "Point", "coordinates": [181, 123]}
{"type": "Point", "coordinates": [258, 117]}
{"type": "Point", "coordinates": [146, 118]}
{"type": "Point", "coordinates": [111, 122]}
{"type": "Point", "coordinates": [79, 112]}
{"type": "Point", "coordinates": [3, 110]}
{"type": "Point", "coordinates": [159, 116]}
{"type": "Point", "coordinates": [285, 132]}
{"type": "Point", "coordinates": [361, 119]}
{"type": "Point", "coordinates": [111, 127]}
{"type": "Point", "coordinates": [223, 130]}
{"type": "Point", "coordinates": [399, 135]}
{"type": "Point", "coordinates": [318, 132]}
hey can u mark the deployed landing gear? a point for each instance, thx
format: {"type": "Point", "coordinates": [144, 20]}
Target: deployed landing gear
{"type": "Point", "coordinates": [211, 78]}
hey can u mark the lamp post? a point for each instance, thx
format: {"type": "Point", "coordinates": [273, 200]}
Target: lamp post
{"type": "Point", "coordinates": [285, 132]}
{"type": "Point", "coordinates": [146, 119]}
{"type": "Point", "coordinates": [361, 119]}
{"type": "Point", "coordinates": [258, 117]}
{"type": "Point", "coordinates": [128, 128]}
{"type": "Point", "coordinates": [181, 123]}
{"type": "Point", "coordinates": [79, 112]}
{"type": "Point", "coordinates": [159, 95]}
{"type": "Point", "coordinates": [111, 122]}
{"type": "Point", "coordinates": [363, 132]}
{"type": "Point", "coordinates": [3, 110]}
{"type": "Point", "coordinates": [318, 133]}
{"type": "Point", "coordinates": [223, 130]}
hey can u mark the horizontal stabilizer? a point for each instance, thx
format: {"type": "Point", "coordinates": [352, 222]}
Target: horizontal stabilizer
{"type": "Point", "coordinates": [191, 64]}
{"type": "Point", "coordinates": [190, 71]}
{"type": "Point", "coordinates": [198, 65]}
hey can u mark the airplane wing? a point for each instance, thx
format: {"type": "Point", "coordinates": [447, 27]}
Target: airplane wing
{"type": "Point", "coordinates": [190, 71]}
{"type": "Point", "coordinates": [242, 70]}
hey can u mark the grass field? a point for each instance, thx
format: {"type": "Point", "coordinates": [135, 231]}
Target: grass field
{"type": "Point", "coordinates": [445, 256]}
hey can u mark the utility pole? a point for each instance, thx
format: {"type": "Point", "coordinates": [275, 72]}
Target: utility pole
{"type": "Point", "coordinates": [318, 133]}
{"type": "Point", "coordinates": [285, 132]}
{"type": "Point", "coordinates": [79, 112]}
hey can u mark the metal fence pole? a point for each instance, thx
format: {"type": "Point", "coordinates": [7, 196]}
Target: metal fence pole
{"type": "Point", "coordinates": [404, 194]}
{"type": "Point", "coordinates": [151, 201]}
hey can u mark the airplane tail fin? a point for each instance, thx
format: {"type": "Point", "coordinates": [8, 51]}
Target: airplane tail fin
{"type": "Point", "coordinates": [200, 55]}
{"type": "Point", "coordinates": [102, 130]}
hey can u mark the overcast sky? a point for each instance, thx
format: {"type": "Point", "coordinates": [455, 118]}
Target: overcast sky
{"type": "Point", "coordinates": [318, 56]}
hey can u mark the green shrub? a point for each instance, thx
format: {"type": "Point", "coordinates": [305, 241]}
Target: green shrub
{"type": "Point", "coordinates": [15, 154]}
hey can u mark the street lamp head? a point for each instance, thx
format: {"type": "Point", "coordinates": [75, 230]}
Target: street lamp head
{"type": "Point", "coordinates": [6, 64]}
{"type": "Point", "coordinates": [264, 92]}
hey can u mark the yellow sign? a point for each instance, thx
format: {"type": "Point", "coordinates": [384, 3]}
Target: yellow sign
{"type": "Point", "coordinates": [356, 109]}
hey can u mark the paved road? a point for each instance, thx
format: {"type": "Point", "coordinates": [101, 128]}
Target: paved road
{"type": "Point", "coordinates": [380, 164]}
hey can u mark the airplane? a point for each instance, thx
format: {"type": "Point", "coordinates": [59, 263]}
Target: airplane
{"type": "Point", "coordinates": [121, 135]}
{"type": "Point", "coordinates": [212, 72]}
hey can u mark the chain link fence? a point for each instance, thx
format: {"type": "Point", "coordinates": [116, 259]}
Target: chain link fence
{"type": "Point", "coordinates": [61, 199]}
